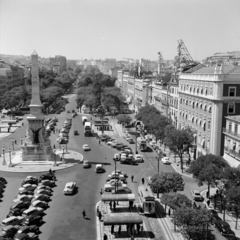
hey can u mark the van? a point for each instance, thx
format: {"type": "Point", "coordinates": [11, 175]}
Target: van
{"type": "Point", "coordinates": [12, 221]}
{"type": "Point", "coordinates": [99, 168]}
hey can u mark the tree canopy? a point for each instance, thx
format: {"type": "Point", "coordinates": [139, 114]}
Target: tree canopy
{"type": "Point", "coordinates": [167, 182]}
{"type": "Point", "coordinates": [124, 119]}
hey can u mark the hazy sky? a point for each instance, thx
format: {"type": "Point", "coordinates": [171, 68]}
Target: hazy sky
{"type": "Point", "coordinates": [118, 28]}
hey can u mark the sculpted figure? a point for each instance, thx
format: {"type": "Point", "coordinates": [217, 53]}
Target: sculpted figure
{"type": "Point", "coordinates": [29, 135]}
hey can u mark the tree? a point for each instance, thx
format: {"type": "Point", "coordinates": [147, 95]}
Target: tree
{"type": "Point", "coordinates": [191, 221]}
{"type": "Point", "coordinates": [232, 177]}
{"type": "Point", "coordinates": [167, 182]}
{"type": "Point", "coordinates": [208, 168]}
{"type": "Point", "coordinates": [178, 141]}
{"type": "Point", "coordinates": [124, 119]}
{"type": "Point", "coordinates": [233, 195]}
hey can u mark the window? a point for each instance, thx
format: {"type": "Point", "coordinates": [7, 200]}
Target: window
{"type": "Point", "coordinates": [192, 119]}
{"type": "Point", "coordinates": [204, 126]}
{"type": "Point", "coordinates": [197, 91]}
{"type": "Point", "coordinates": [196, 105]}
{"type": "Point", "coordinates": [205, 107]}
{"type": "Point", "coordinates": [190, 89]}
{"type": "Point", "coordinates": [193, 90]}
{"type": "Point", "coordinates": [236, 128]}
{"type": "Point", "coordinates": [230, 126]}
{"type": "Point", "coordinates": [193, 104]}
{"type": "Point", "coordinates": [186, 116]}
{"type": "Point", "coordinates": [205, 91]}
{"type": "Point", "coordinates": [210, 108]}
{"type": "Point", "coordinates": [209, 124]}
{"type": "Point", "coordinates": [200, 105]}
{"type": "Point", "coordinates": [231, 108]}
{"type": "Point", "coordinates": [210, 91]}
{"type": "Point", "coordinates": [201, 91]}
{"type": "Point", "coordinates": [186, 102]}
{"type": "Point", "coordinates": [232, 91]}
{"type": "Point", "coordinates": [200, 123]}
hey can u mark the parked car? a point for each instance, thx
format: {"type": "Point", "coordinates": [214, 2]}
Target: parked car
{"type": "Point", "coordinates": [47, 176]}
{"type": "Point", "coordinates": [24, 198]}
{"type": "Point", "coordinates": [47, 183]}
{"type": "Point", "coordinates": [40, 187]}
{"type": "Point", "coordinates": [75, 133]}
{"type": "Point", "coordinates": [108, 187]}
{"type": "Point", "coordinates": [166, 160]}
{"type": "Point", "coordinates": [30, 181]}
{"type": "Point", "coordinates": [32, 219]}
{"type": "Point", "coordinates": [86, 147]}
{"type": "Point", "coordinates": [41, 197]}
{"type": "Point", "coordinates": [69, 188]}
{"type": "Point", "coordinates": [131, 141]}
{"type": "Point", "coordinates": [9, 231]}
{"type": "Point", "coordinates": [86, 164]}
{"type": "Point", "coordinates": [99, 168]}
{"type": "Point", "coordinates": [43, 191]}
{"type": "Point", "coordinates": [20, 205]}
{"type": "Point", "coordinates": [28, 229]}
{"type": "Point", "coordinates": [196, 195]}
{"type": "Point", "coordinates": [3, 180]}
{"type": "Point", "coordinates": [41, 204]}
{"type": "Point", "coordinates": [16, 212]}
{"type": "Point", "coordinates": [224, 228]}
{"type": "Point", "coordinates": [27, 187]}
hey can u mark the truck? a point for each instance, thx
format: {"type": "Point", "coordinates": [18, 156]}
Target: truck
{"type": "Point", "coordinates": [142, 144]}
{"type": "Point", "coordinates": [87, 129]}
{"type": "Point", "coordinates": [84, 119]}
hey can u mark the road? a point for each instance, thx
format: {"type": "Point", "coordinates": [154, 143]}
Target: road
{"type": "Point", "coordinates": [63, 220]}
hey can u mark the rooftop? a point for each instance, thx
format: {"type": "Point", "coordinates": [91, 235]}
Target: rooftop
{"type": "Point", "coordinates": [235, 118]}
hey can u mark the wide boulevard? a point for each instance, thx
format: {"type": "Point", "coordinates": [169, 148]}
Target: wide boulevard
{"type": "Point", "coordinates": [63, 219]}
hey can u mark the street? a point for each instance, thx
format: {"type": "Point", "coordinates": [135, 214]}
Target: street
{"type": "Point", "coordinates": [63, 220]}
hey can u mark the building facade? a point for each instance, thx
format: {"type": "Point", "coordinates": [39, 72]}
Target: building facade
{"type": "Point", "coordinates": [206, 96]}
{"type": "Point", "coordinates": [58, 63]}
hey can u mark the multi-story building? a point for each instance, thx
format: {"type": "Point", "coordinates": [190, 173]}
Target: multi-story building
{"type": "Point", "coordinates": [206, 96]}
{"type": "Point", "coordinates": [232, 140]}
{"type": "Point", "coordinates": [61, 60]}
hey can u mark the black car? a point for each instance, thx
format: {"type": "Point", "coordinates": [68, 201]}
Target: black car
{"type": "Point", "coordinates": [9, 231]}
{"type": "Point", "coordinates": [224, 228]}
{"type": "Point", "coordinates": [30, 181]}
{"type": "Point", "coordinates": [27, 229]}
{"type": "Point", "coordinates": [32, 219]}
{"type": "Point", "coordinates": [47, 176]}
{"type": "Point", "coordinates": [3, 180]}
{"type": "Point", "coordinates": [20, 205]}
{"type": "Point", "coordinates": [26, 236]}
{"type": "Point", "coordinates": [16, 212]}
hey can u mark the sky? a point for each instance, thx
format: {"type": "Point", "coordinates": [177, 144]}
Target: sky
{"type": "Point", "coordinates": [99, 29]}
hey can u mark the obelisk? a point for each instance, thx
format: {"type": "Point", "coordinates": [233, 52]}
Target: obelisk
{"type": "Point", "coordinates": [37, 146]}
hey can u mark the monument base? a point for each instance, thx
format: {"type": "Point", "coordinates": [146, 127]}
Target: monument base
{"type": "Point", "coordinates": [37, 153]}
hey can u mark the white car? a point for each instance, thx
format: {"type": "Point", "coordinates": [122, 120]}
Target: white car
{"type": "Point", "coordinates": [69, 188]}
{"type": "Point", "coordinates": [152, 143]}
{"type": "Point", "coordinates": [86, 147]}
{"type": "Point", "coordinates": [120, 173]}
{"type": "Point", "coordinates": [123, 156]}
{"type": "Point", "coordinates": [108, 187]}
{"type": "Point", "coordinates": [166, 160]}
{"type": "Point", "coordinates": [117, 156]}
{"type": "Point", "coordinates": [138, 158]}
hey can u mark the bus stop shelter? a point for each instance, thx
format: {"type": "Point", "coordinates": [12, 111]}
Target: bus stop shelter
{"type": "Point", "coordinates": [118, 197]}
{"type": "Point", "coordinates": [122, 218]}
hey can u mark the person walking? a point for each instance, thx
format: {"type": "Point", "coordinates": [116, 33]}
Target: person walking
{"type": "Point", "coordinates": [15, 141]}
{"type": "Point", "coordinates": [110, 204]}
{"type": "Point", "coordinates": [143, 181]}
{"type": "Point", "coordinates": [100, 216]}
{"type": "Point", "coordinates": [101, 192]}
{"type": "Point", "coordinates": [132, 177]}
{"type": "Point", "coordinates": [84, 213]}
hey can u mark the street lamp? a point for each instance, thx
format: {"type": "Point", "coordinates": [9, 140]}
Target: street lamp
{"type": "Point", "coordinates": [158, 159]}
{"type": "Point", "coordinates": [13, 147]}
{"type": "Point", "coordinates": [4, 161]}
{"type": "Point", "coordinates": [115, 161]}
{"type": "Point", "coordinates": [55, 163]}
{"type": "Point", "coordinates": [21, 141]}
{"type": "Point", "coordinates": [10, 160]}
{"type": "Point", "coordinates": [63, 154]}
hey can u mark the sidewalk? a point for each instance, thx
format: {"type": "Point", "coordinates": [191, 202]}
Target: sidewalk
{"type": "Point", "coordinates": [229, 218]}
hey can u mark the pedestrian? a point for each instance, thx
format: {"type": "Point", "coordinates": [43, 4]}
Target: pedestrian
{"type": "Point", "coordinates": [22, 124]}
{"type": "Point", "coordinates": [114, 205]}
{"type": "Point", "coordinates": [54, 147]}
{"type": "Point", "coordinates": [105, 236]}
{"type": "Point", "coordinates": [84, 213]}
{"type": "Point", "coordinates": [132, 177]}
{"type": "Point", "coordinates": [169, 211]}
{"type": "Point", "coordinates": [99, 141]}
{"type": "Point", "coordinates": [100, 216]}
{"type": "Point", "coordinates": [15, 141]}
{"type": "Point", "coordinates": [143, 181]}
{"type": "Point", "coordinates": [110, 204]}
{"type": "Point", "coordinates": [208, 202]}
{"type": "Point", "coordinates": [101, 192]}
{"type": "Point", "coordinates": [50, 171]}
{"type": "Point", "coordinates": [119, 229]}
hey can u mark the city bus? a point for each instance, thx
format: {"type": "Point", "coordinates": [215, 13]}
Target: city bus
{"type": "Point", "coordinates": [142, 144]}
{"type": "Point", "coordinates": [147, 200]}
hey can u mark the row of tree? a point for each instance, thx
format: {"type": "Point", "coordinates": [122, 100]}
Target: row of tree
{"type": "Point", "coordinates": [177, 140]}
{"type": "Point", "coordinates": [96, 89]}
{"type": "Point", "coordinates": [52, 87]}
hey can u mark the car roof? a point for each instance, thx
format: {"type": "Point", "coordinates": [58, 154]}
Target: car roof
{"type": "Point", "coordinates": [37, 201]}
{"type": "Point", "coordinates": [70, 184]}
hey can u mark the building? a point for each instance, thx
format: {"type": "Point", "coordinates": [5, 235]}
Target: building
{"type": "Point", "coordinates": [232, 140]}
{"type": "Point", "coordinates": [58, 64]}
{"type": "Point", "coordinates": [206, 96]}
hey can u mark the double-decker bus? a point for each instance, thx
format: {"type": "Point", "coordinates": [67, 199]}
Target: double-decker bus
{"type": "Point", "coordinates": [142, 144]}
{"type": "Point", "coordinates": [147, 200]}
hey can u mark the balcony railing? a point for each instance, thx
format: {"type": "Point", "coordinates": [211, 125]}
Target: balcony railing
{"type": "Point", "coordinates": [232, 152]}
{"type": "Point", "coordinates": [231, 133]}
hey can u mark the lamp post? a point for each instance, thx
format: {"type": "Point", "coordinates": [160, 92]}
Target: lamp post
{"type": "Point", "coordinates": [115, 161]}
{"type": "Point", "coordinates": [55, 163]}
{"type": "Point", "coordinates": [63, 154]}
{"type": "Point", "coordinates": [4, 161]}
{"type": "Point", "coordinates": [10, 160]}
{"type": "Point", "coordinates": [13, 147]}
{"type": "Point", "coordinates": [21, 140]}
{"type": "Point", "coordinates": [158, 159]}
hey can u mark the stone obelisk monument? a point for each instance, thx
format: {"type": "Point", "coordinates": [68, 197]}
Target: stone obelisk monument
{"type": "Point", "coordinates": [37, 146]}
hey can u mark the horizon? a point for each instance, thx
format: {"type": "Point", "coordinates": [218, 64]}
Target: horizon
{"type": "Point", "coordinates": [100, 29]}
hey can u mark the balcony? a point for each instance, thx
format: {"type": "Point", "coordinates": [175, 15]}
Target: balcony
{"type": "Point", "coordinates": [232, 153]}
{"type": "Point", "coordinates": [231, 133]}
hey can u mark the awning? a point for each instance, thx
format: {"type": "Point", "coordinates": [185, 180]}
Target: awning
{"type": "Point", "coordinates": [118, 197]}
{"type": "Point", "coordinates": [122, 218]}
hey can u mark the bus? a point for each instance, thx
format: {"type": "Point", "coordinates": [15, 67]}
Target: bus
{"type": "Point", "coordinates": [142, 144]}
{"type": "Point", "coordinates": [87, 129]}
{"type": "Point", "coordinates": [147, 200]}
